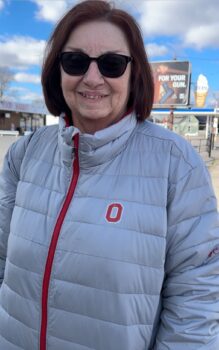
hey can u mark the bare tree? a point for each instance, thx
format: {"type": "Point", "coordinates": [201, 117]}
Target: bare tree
{"type": "Point", "coordinates": [216, 97]}
{"type": "Point", "coordinates": [6, 77]}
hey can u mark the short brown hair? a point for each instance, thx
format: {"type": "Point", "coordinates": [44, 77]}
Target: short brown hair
{"type": "Point", "coordinates": [142, 86]}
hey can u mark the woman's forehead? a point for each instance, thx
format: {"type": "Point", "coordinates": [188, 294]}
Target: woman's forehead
{"type": "Point", "coordinates": [97, 37]}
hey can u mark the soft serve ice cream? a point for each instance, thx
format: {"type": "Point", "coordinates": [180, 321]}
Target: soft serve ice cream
{"type": "Point", "coordinates": [201, 91]}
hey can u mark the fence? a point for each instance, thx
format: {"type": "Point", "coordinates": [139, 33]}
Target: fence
{"type": "Point", "coordinates": [205, 147]}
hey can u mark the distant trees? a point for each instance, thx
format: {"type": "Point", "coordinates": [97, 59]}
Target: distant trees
{"type": "Point", "coordinates": [6, 77]}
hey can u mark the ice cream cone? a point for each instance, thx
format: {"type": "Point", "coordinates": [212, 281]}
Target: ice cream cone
{"type": "Point", "coordinates": [201, 91]}
{"type": "Point", "coordinates": [200, 99]}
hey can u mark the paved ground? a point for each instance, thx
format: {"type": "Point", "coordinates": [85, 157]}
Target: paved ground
{"type": "Point", "coordinates": [214, 171]}
{"type": "Point", "coordinates": [6, 141]}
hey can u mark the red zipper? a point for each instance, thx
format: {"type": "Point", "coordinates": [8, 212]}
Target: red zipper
{"type": "Point", "coordinates": [53, 244]}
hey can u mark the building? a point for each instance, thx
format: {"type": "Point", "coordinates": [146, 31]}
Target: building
{"type": "Point", "coordinates": [21, 117]}
{"type": "Point", "coordinates": [173, 117]}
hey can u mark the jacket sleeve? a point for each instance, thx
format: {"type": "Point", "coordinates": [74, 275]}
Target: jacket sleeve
{"type": "Point", "coordinates": [190, 295]}
{"type": "Point", "coordinates": [8, 185]}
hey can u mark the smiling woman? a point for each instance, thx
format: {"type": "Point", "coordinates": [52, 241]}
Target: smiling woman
{"type": "Point", "coordinates": [110, 32]}
{"type": "Point", "coordinates": [109, 232]}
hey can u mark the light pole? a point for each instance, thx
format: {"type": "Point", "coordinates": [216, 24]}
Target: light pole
{"type": "Point", "coordinates": [171, 118]}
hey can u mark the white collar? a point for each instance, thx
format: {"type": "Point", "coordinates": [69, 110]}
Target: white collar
{"type": "Point", "coordinates": [97, 148]}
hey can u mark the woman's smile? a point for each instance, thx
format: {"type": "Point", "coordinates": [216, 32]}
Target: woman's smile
{"type": "Point", "coordinates": [92, 96]}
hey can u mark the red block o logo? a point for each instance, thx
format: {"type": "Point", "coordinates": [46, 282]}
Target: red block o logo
{"type": "Point", "coordinates": [114, 212]}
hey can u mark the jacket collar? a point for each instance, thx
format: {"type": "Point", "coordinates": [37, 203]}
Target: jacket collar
{"type": "Point", "coordinates": [98, 148]}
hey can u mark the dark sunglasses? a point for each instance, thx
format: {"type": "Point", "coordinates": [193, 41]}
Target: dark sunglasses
{"type": "Point", "coordinates": [111, 65]}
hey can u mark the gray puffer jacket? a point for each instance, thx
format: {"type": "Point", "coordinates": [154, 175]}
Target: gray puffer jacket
{"type": "Point", "coordinates": [108, 242]}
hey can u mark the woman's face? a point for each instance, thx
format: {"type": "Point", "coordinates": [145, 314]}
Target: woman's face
{"type": "Point", "coordinates": [95, 100]}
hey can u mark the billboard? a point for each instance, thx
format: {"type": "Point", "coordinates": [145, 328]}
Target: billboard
{"type": "Point", "coordinates": [172, 83]}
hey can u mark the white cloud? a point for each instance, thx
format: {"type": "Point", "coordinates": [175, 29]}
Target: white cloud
{"type": "Point", "coordinates": [156, 50]}
{"type": "Point", "coordinates": [23, 95]}
{"type": "Point", "coordinates": [49, 10]}
{"type": "Point", "coordinates": [20, 52]}
{"type": "Point", "coordinates": [52, 11]}
{"type": "Point", "coordinates": [17, 89]}
{"type": "Point", "coordinates": [20, 93]}
{"type": "Point", "coordinates": [202, 36]}
{"type": "Point", "coordinates": [195, 22]}
{"type": "Point", "coordinates": [27, 78]}
{"type": "Point", "coordinates": [30, 96]}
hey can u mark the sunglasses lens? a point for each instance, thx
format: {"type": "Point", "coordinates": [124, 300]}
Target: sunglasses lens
{"type": "Point", "coordinates": [112, 65]}
{"type": "Point", "coordinates": [74, 63]}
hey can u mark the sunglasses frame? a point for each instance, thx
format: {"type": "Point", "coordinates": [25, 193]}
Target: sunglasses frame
{"type": "Point", "coordinates": [97, 60]}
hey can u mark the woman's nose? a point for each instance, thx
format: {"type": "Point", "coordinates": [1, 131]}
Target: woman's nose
{"type": "Point", "coordinates": [93, 76]}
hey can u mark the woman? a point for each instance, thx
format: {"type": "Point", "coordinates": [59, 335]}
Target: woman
{"type": "Point", "coordinates": [109, 224]}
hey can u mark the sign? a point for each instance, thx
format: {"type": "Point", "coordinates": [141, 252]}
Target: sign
{"type": "Point", "coordinates": [172, 83]}
{"type": "Point", "coordinates": [21, 107]}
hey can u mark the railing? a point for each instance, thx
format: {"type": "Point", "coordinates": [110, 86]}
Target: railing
{"type": "Point", "coordinates": [205, 147]}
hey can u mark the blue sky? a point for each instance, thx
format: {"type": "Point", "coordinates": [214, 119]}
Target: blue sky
{"type": "Point", "coordinates": [181, 29]}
